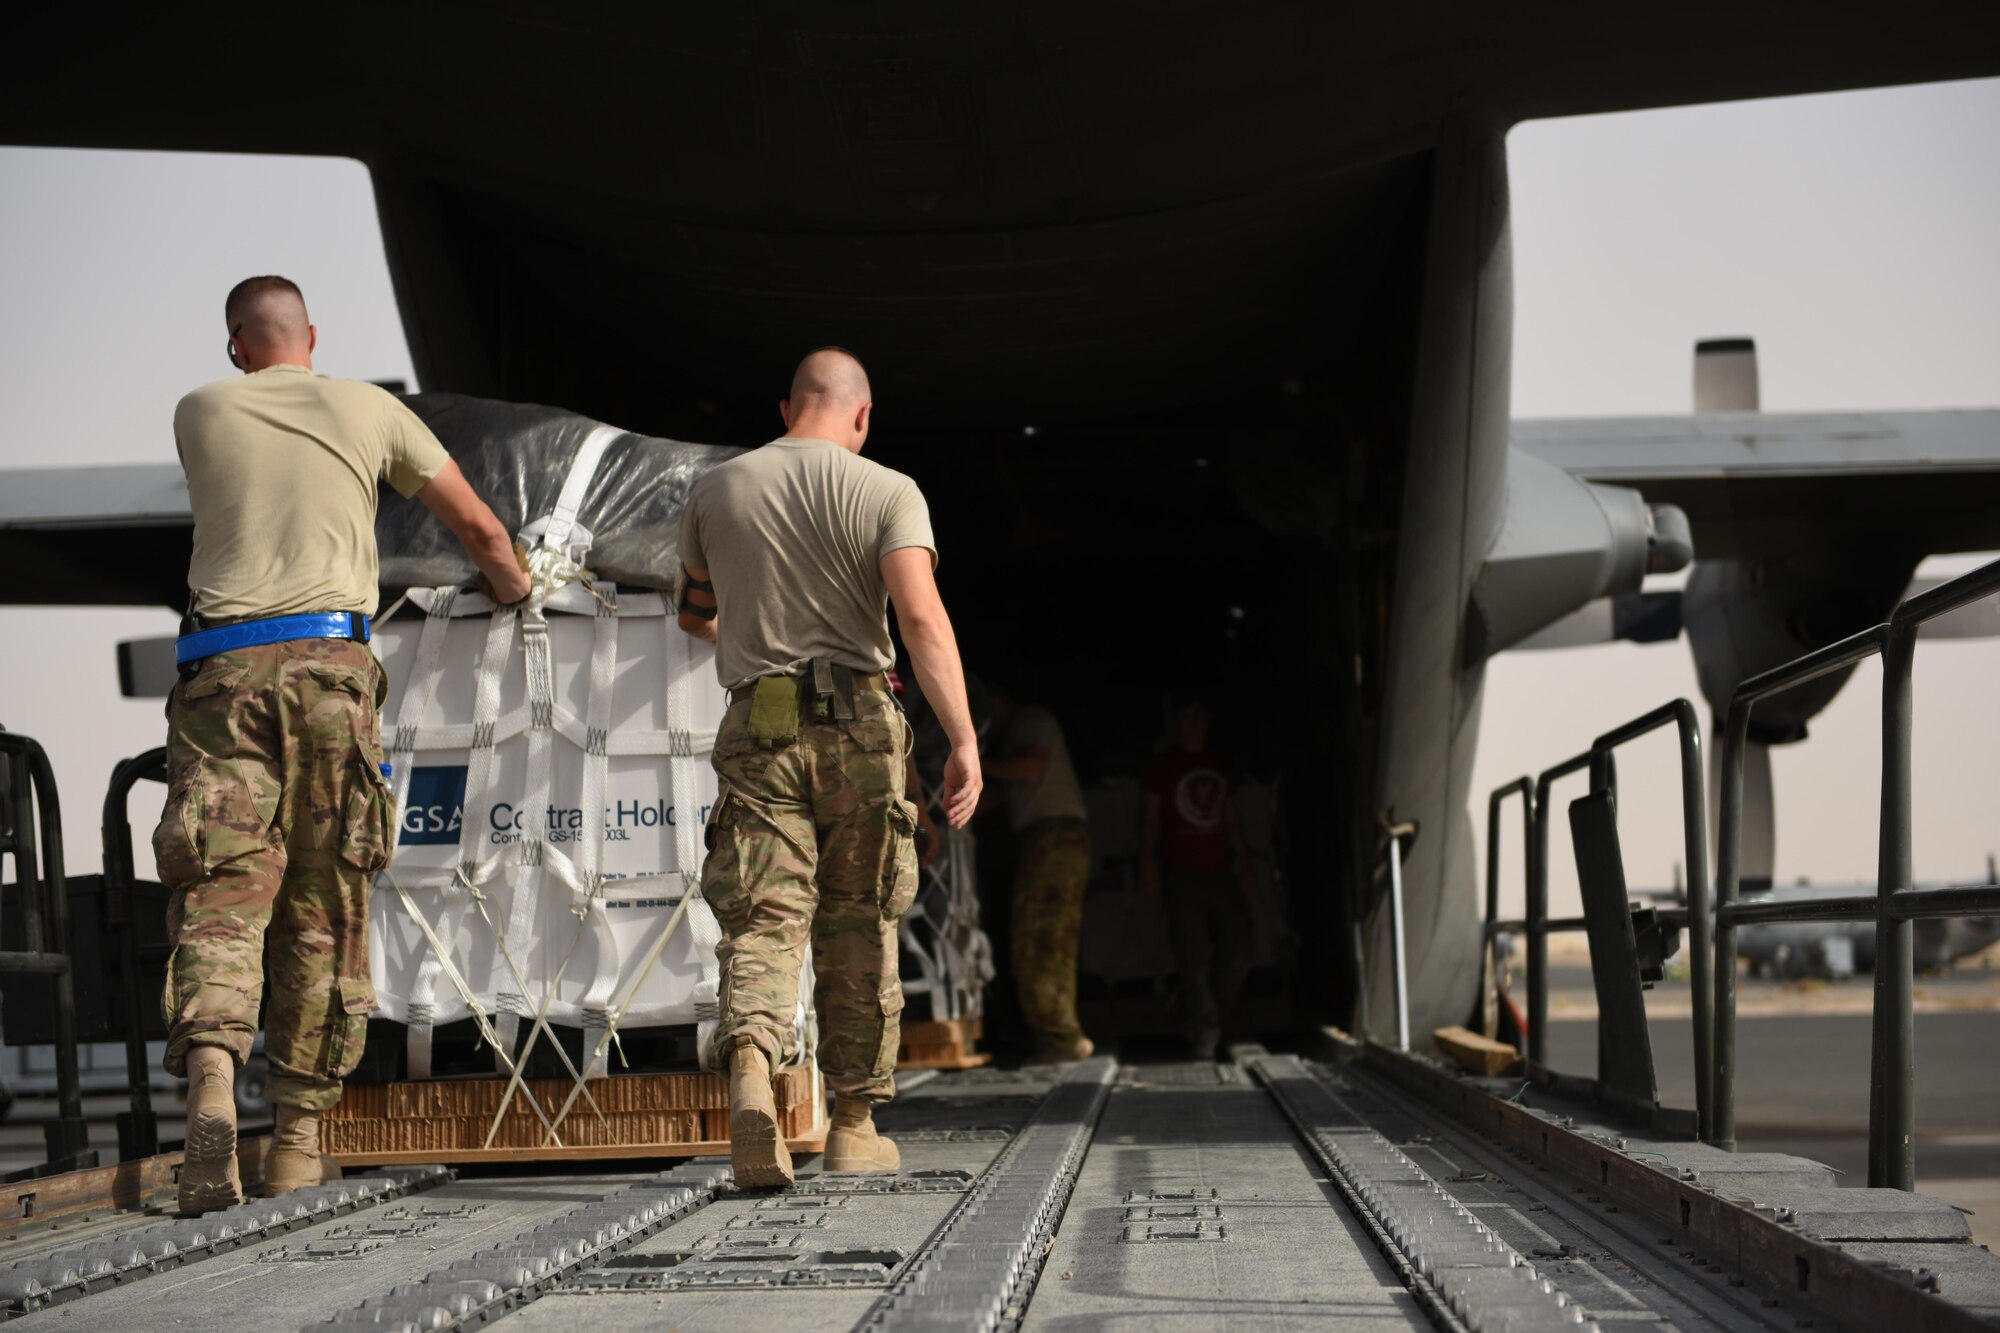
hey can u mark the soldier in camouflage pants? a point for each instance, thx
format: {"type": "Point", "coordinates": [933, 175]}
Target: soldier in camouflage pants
{"type": "Point", "coordinates": [813, 840]}
{"type": "Point", "coordinates": [277, 818]}
{"type": "Point", "coordinates": [1047, 923]}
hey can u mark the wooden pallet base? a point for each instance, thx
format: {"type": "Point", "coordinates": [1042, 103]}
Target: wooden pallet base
{"type": "Point", "coordinates": [810, 1143]}
{"type": "Point", "coordinates": [637, 1115]}
{"type": "Point", "coordinates": [148, 1184]}
{"type": "Point", "coordinates": [946, 1044]}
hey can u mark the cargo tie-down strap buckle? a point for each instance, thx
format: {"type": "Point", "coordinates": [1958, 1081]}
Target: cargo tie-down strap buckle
{"type": "Point", "coordinates": [202, 643]}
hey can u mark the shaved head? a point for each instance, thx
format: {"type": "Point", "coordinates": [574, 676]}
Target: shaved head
{"type": "Point", "coordinates": [267, 317]}
{"type": "Point", "coordinates": [830, 378]}
{"type": "Point", "coordinates": [830, 399]}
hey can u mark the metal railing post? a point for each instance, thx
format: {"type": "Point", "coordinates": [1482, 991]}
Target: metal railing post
{"type": "Point", "coordinates": [1694, 829]}
{"type": "Point", "coordinates": [44, 884]}
{"type": "Point", "coordinates": [1537, 913]}
{"type": "Point", "coordinates": [1396, 929]}
{"type": "Point", "coordinates": [1728, 875]}
{"type": "Point", "coordinates": [1892, 1079]}
{"type": "Point", "coordinates": [138, 1127]}
{"type": "Point", "coordinates": [1524, 787]}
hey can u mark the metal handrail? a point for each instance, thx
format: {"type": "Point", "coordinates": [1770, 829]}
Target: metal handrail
{"type": "Point", "coordinates": [1537, 926]}
{"type": "Point", "coordinates": [1892, 1094]}
{"type": "Point", "coordinates": [44, 888]}
{"type": "Point", "coordinates": [1524, 787]}
{"type": "Point", "coordinates": [138, 1126]}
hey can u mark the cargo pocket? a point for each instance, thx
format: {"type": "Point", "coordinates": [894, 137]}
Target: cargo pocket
{"type": "Point", "coordinates": [900, 879]}
{"type": "Point", "coordinates": [177, 839]}
{"type": "Point", "coordinates": [722, 868]}
{"type": "Point", "coordinates": [356, 1000]}
{"type": "Point", "coordinates": [890, 997]}
{"type": "Point", "coordinates": [368, 832]}
{"type": "Point", "coordinates": [181, 848]}
{"type": "Point", "coordinates": [170, 994]}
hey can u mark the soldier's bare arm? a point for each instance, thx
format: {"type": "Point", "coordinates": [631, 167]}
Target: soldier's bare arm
{"type": "Point", "coordinates": [927, 633]}
{"type": "Point", "coordinates": [697, 606]}
{"type": "Point", "coordinates": [451, 498]}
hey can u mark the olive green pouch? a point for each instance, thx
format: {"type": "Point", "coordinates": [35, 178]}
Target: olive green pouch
{"type": "Point", "coordinates": [774, 710]}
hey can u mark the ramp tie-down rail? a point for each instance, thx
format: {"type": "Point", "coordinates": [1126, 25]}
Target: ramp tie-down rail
{"type": "Point", "coordinates": [980, 1269]}
{"type": "Point", "coordinates": [53, 1279]}
{"type": "Point", "coordinates": [476, 1290]}
{"type": "Point", "coordinates": [1463, 1274]}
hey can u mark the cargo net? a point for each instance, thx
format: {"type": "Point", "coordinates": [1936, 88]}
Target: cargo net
{"type": "Point", "coordinates": [549, 765]}
{"type": "Point", "coordinates": [946, 958]}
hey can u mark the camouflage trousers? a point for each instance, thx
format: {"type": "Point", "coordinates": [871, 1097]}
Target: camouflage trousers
{"type": "Point", "coordinates": [277, 818]}
{"type": "Point", "coordinates": [812, 841]}
{"type": "Point", "coordinates": [1208, 917]}
{"type": "Point", "coordinates": [1048, 920]}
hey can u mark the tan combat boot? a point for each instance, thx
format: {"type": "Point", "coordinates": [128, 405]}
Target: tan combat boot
{"type": "Point", "coordinates": [852, 1143]}
{"type": "Point", "coordinates": [1061, 1052]}
{"type": "Point", "coordinates": [293, 1162]}
{"type": "Point", "coordinates": [756, 1146]}
{"type": "Point", "coordinates": [208, 1170]}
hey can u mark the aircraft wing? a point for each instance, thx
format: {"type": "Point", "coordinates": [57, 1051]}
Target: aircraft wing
{"type": "Point", "coordinates": [105, 536]}
{"type": "Point", "coordinates": [1751, 484]}
{"type": "Point", "coordinates": [1757, 483]}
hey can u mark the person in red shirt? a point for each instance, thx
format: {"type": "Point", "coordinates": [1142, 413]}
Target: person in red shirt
{"type": "Point", "coordinates": [1190, 837]}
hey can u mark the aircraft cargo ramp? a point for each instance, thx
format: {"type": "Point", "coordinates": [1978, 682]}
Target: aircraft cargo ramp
{"type": "Point", "coordinates": [1381, 1192]}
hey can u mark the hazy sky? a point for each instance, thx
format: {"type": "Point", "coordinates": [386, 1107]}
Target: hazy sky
{"type": "Point", "coordinates": [1850, 234]}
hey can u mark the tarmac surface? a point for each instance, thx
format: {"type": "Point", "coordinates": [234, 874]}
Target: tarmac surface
{"type": "Point", "coordinates": [1802, 1077]}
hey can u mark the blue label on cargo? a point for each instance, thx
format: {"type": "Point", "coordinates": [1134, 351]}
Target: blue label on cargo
{"type": "Point", "coordinates": [435, 808]}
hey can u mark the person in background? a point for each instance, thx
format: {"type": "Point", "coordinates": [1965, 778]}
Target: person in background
{"type": "Point", "coordinates": [1045, 809]}
{"type": "Point", "coordinates": [1190, 836]}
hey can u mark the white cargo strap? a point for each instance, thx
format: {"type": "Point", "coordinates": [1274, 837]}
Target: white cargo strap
{"type": "Point", "coordinates": [688, 895]}
{"type": "Point", "coordinates": [521, 988]}
{"type": "Point", "coordinates": [465, 991]}
{"type": "Point", "coordinates": [551, 568]}
{"type": "Point", "coordinates": [596, 782]}
{"type": "Point", "coordinates": [684, 777]}
{"type": "Point", "coordinates": [535, 857]}
{"type": "Point", "coordinates": [576, 486]}
{"type": "Point", "coordinates": [417, 699]}
{"type": "Point", "coordinates": [417, 1037]}
{"type": "Point", "coordinates": [534, 1033]}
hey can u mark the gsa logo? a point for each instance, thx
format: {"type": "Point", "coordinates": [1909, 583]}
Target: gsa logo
{"type": "Point", "coordinates": [435, 807]}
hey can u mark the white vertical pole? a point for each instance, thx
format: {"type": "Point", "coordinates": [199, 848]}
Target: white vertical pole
{"type": "Point", "coordinates": [1396, 926]}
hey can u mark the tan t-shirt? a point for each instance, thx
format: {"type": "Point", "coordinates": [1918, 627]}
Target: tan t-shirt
{"type": "Point", "coordinates": [1055, 795]}
{"type": "Point", "coordinates": [793, 535]}
{"type": "Point", "coordinates": [281, 468]}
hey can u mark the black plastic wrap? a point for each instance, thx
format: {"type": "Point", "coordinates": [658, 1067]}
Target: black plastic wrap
{"type": "Point", "coordinates": [517, 456]}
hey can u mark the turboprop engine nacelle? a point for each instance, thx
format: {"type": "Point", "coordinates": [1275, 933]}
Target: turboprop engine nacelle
{"type": "Point", "coordinates": [1564, 543]}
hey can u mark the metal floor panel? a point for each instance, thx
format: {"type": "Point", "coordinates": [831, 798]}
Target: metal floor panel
{"type": "Point", "coordinates": [1198, 1207]}
{"type": "Point", "coordinates": [814, 1257]}
{"type": "Point", "coordinates": [274, 1284]}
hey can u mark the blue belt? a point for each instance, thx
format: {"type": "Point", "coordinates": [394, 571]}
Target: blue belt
{"type": "Point", "coordinates": [278, 629]}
